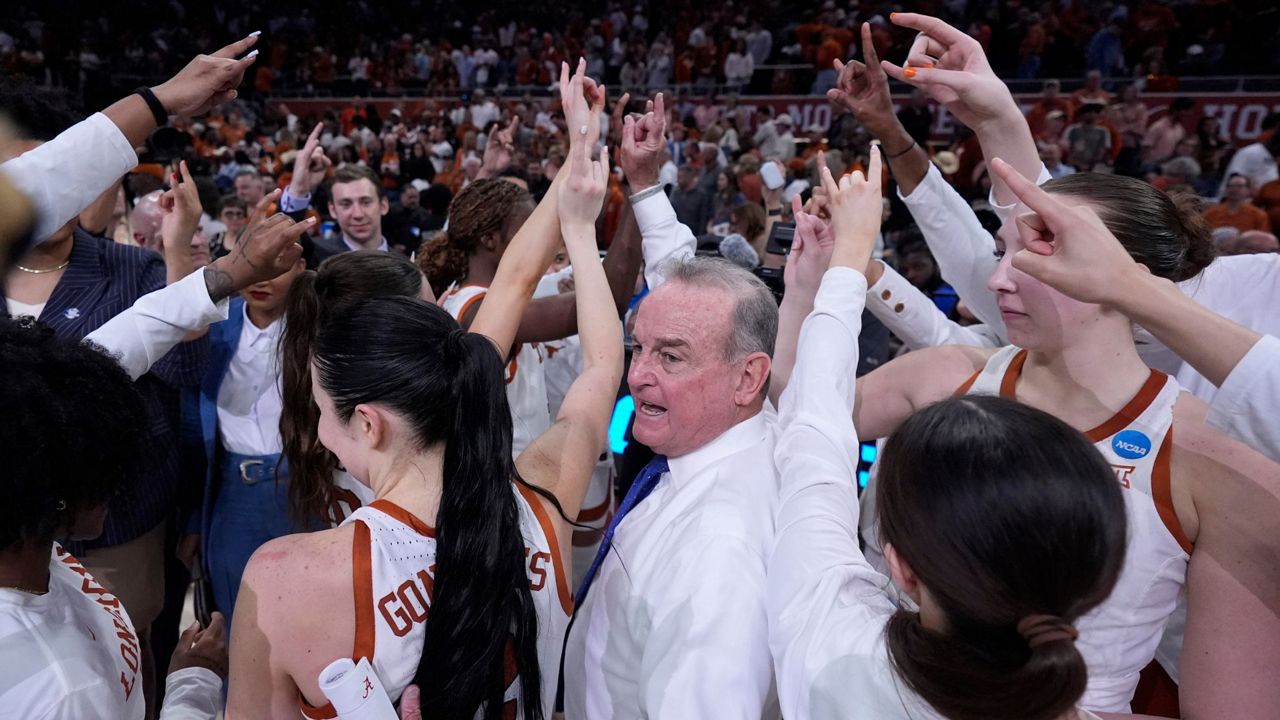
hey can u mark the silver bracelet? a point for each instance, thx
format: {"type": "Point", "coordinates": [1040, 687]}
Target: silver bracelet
{"type": "Point", "coordinates": [652, 190]}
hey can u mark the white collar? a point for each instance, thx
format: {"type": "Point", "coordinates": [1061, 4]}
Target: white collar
{"type": "Point", "coordinates": [354, 247]}
{"type": "Point", "coordinates": [252, 333]}
{"type": "Point", "coordinates": [745, 434]}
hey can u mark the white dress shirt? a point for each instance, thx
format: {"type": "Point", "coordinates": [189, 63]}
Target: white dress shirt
{"type": "Point", "coordinates": [157, 321]}
{"type": "Point", "coordinates": [65, 175]}
{"type": "Point", "coordinates": [249, 399]}
{"type": "Point", "coordinates": [674, 625]}
{"type": "Point", "coordinates": [663, 238]}
{"type": "Point", "coordinates": [828, 607]}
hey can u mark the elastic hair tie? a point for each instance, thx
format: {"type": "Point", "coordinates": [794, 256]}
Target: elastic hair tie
{"type": "Point", "coordinates": [1041, 629]}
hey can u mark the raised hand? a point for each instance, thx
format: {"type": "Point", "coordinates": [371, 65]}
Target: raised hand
{"type": "Point", "coordinates": [582, 119]}
{"type": "Point", "coordinates": [499, 148]}
{"type": "Point", "coordinates": [616, 119]}
{"type": "Point", "coordinates": [207, 81]}
{"type": "Point", "coordinates": [953, 69]}
{"type": "Point", "coordinates": [856, 204]}
{"type": "Point", "coordinates": [1068, 247]}
{"type": "Point", "coordinates": [810, 250]}
{"type": "Point", "coordinates": [310, 165]}
{"type": "Point", "coordinates": [863, 89]}
{"type": "Point", "coordinates": [642, 142]}
{"type": "Point", "coordinates": [265, 250]}
{"type": "Point", "coordinates": [582, 195]}
{"type": "Point", "coordinates": [181, 204]}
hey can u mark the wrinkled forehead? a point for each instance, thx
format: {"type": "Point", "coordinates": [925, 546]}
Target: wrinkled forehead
{"type": "Point", "coordinates": [699, 316]}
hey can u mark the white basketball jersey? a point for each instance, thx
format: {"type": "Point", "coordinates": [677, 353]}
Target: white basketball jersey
{"type": "Point", "coordinates": [346, 496]}
{"type": "Point", "coordinates": [394, 576]}
{"type": "Point", "coordinates": [72, 648]}
{"type": "Point", "coordinates": [526, 382]}
{"type": "Point", "coordinates": [1120, 636]}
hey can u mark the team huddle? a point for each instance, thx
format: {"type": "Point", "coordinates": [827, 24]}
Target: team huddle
{"type": "Point", "coordinates": [1051, 516]}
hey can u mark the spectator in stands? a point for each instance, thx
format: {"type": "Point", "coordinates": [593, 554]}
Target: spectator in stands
{"type": "Point", "coordinates": [1177, 172]}
{"type": "Point", "coordinates": [406, 222]}
{"type": "Point", "coordinates": [1051, 156]}
{"type": "Point", "coordinates": [749, 221]}
{"type": "Point", "coordinates": [727, 197]}
{"type": "Point", "coordinates": [707, 113]}
{"type": "Point", "coordinates": [1214, 145]}
{"type": "Point", "coordinates": [917, 117]}
{"type": "Point", "coordinates": [1105, 54]}
{"type": "Point", "coordinates": [1088, 142]}
{"type": "Point", "coordinates": [1050, 101]}
{"type": "Point", "coordinates": [775, 140]}
{"type": "Point", "coordinates": [1164, 134]}
{"type": "Point", "coordinates": [1128, 117]}
{"type": "Point", "coordinates": [1237, 209]}
{"type": "Point", "coordinates": [250, 187]}
{"type": "Point", "coordinates": [234, 214]}
{"type": "Point", "coordinates": [1253, 242]}
{"type": "Point", "coordinates": [920, 269]}
{"type": "Point", "coordinates": [1091, 93]}
{"type": "Point", "coordinates": [739, 66]}
{"type": "Point", "coordinates": [759, 43]}
{"type": "Point", "coordinates": [693, 205]}
{"type": "Point", "coordinates": [1257, 161]}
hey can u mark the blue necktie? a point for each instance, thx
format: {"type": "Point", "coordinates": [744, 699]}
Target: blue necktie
{"type": "Point", "coordinates": [645, 482]}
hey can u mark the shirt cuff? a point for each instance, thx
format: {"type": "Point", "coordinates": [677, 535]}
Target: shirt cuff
{"type": "Point", "coordinates": [192, 693]}
{"type": "Point", "coordinates": [1005, 212]}
{"type": "Point", "coordinates": [924, 192]}
{"type": "Point", "coordinates": [652, 211]}
{"type": "Point", "coordinates": [290, 203]}
{"type": "Point", "coordinates": [1233, 410]}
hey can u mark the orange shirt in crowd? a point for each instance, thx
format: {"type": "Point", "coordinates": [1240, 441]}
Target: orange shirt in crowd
{"type": "Point", "coordinates": [1247, 217]}
{"type": "Point", "coordinates": [1269, 200]}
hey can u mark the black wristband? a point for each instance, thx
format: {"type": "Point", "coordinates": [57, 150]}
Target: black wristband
{"type": "Point", "coordinates": [776, 212]}
{"type": "Point", "coordinates": [898, 154]}
{"type": "Point", "coordinates": [157, 109]}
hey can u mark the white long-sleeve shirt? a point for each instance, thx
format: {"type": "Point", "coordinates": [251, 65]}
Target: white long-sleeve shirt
{"type": "Point", "coordinates": [65, 175]}
{"type": "Point", "coordinates": [909, 314]}
{"type": "Point", "coordinates": [143, 333]}
{"type": "Point", "coordinates": [828, 608]}
{"type": "Point", "coordinates": [675, 625]}
{"type": "Point", "coordinates": [663, 238]}
{"type": "Point", "coordinates": [73, 653]}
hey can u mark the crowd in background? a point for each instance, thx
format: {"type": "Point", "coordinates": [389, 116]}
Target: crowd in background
{"type": "Point", "coordinates": [418, 48]}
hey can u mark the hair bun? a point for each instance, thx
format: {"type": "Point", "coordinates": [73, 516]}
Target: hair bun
{"type": "Point", "coordinates": [1041, 629]}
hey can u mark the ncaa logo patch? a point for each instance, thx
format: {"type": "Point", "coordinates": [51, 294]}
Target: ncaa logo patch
{"type": "Point", "coordinates": [1131, 444]}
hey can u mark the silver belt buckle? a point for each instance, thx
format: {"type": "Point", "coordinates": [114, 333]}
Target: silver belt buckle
{"type": "Point", "coordinates": [244, 471]}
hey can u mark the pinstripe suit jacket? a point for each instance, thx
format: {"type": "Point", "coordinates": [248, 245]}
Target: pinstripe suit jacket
{"type": "Point", "coordinates": [101, 280]}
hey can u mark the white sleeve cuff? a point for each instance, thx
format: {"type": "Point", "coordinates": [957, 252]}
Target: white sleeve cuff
{"type": "Point", "coordinates": [192, 694]}
{"type": "Point", "coordinates": [1005, 212]}
{"type": "Point", "coordinates": [290, 203]}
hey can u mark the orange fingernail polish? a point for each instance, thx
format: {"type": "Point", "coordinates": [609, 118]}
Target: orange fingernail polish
{"type": "Point", "coordinates": [909, 72]}
{"type": "Point", "coordinates": [893, 15]}
{"type": "Point", "coordinates": [928, 65]}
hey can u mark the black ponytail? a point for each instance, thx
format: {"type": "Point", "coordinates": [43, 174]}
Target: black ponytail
{"type": "Point", "coordinates": [413, 358]}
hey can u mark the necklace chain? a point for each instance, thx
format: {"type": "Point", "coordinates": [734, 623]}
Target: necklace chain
{"type": "Point", "coordinates": [33, 271]}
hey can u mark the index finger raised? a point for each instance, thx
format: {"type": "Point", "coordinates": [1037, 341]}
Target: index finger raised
{"type": "Point", "coordinates": [931, 26]}
{"type": "Point", "coordinates": [1033, 196]}
{"type": "Point", "coordinates": [237, 47]}
{"type": "Point", "coordinates": [869, 56]}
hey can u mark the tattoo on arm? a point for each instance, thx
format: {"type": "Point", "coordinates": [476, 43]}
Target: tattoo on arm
{"type": "Point", "coordinates": [218, 283]}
